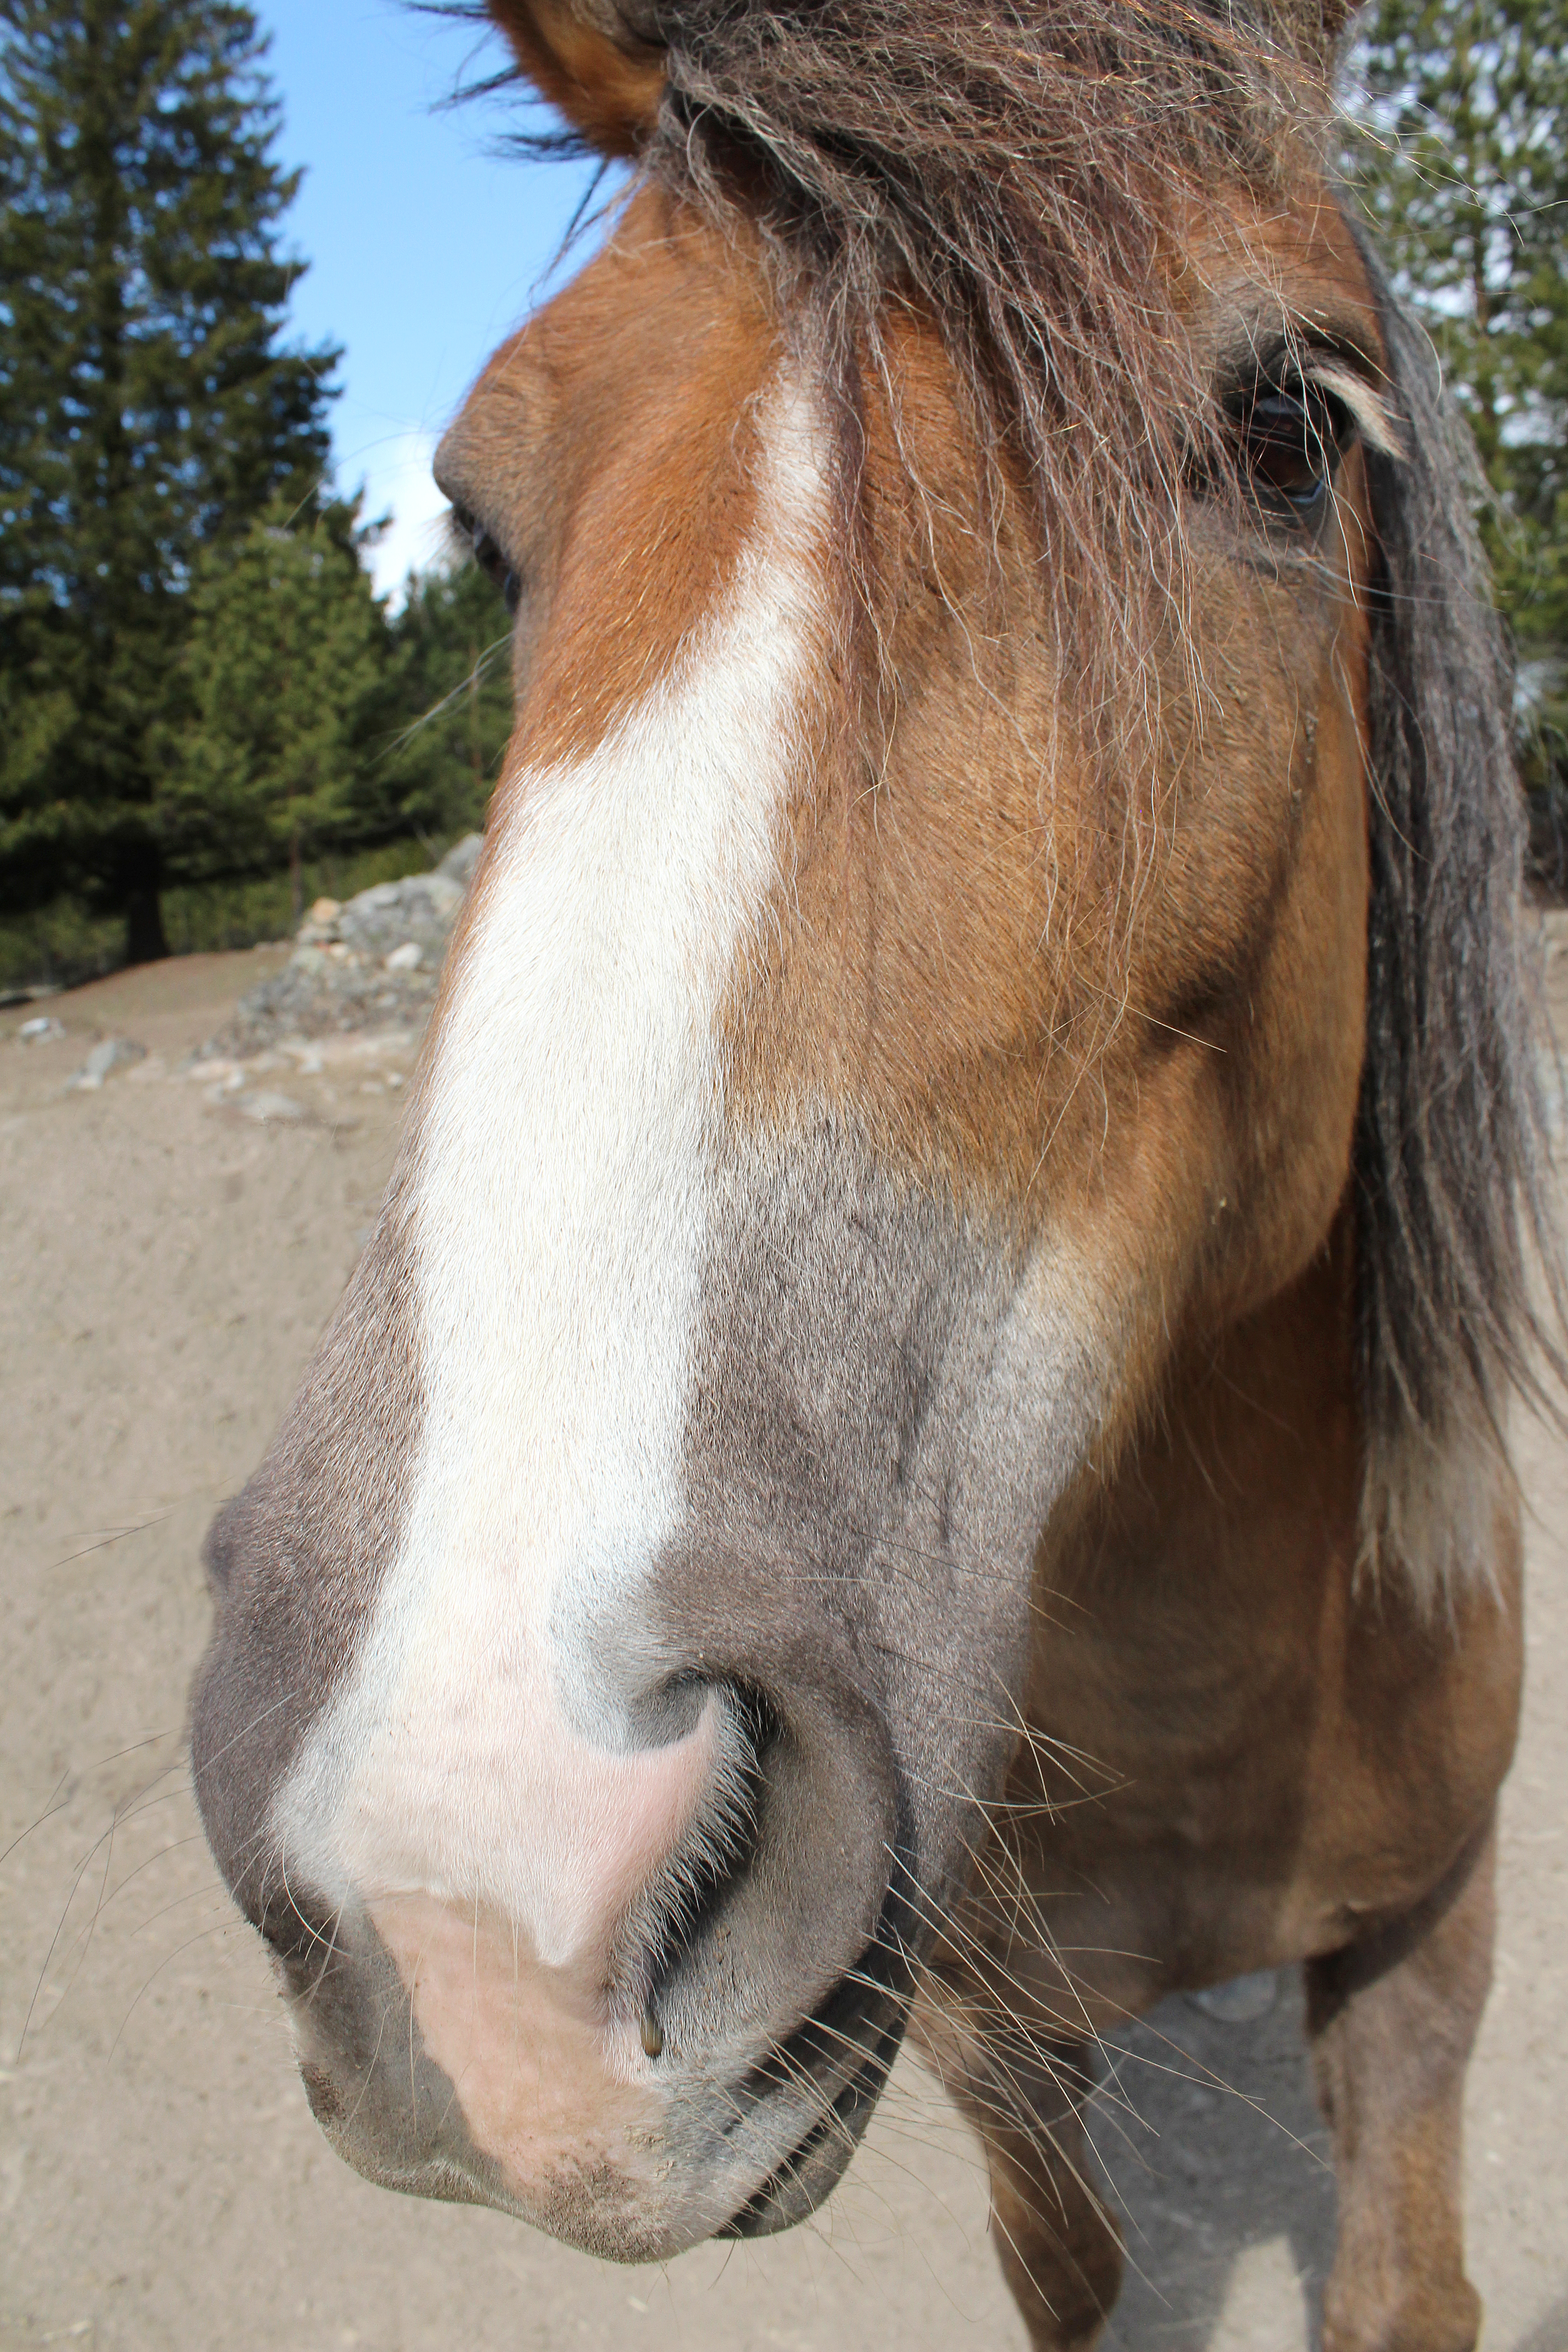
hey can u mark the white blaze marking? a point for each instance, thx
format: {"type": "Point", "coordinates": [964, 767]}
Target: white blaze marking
{"type": "Point", "coordinates": [562, 1199]}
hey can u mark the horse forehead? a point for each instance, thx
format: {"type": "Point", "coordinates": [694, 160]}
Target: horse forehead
{"type": "Point", "coordinates": [1296, 264]}
{"type": "Point", "coordinates": [663, 333]}
{"type": "Point", "coordinates": [612, 449]}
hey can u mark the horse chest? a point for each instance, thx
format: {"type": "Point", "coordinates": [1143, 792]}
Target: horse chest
{"type": "Point", "coordinates": [1227, 1789]}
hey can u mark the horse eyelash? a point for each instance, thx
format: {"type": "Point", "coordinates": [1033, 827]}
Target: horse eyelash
{"type": "Point", "coordinates": [1373, 417]}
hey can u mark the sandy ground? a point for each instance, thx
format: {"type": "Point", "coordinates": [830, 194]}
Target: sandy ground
{"type": "Point", "coordinates": [166, 1264]}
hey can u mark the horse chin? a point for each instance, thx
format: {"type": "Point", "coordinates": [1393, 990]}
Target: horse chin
{"type": "Point", "coordinates": [795, 2189]}
{"type": "Point", "coordinates": [592, 2203]}
{"type": "Point", "coordinates": [600, 2208]}
{"type": "Point", "coordinates": [443, 2060]}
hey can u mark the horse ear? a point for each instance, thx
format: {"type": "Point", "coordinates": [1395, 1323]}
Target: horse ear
{"type": "Point", "coordinates": [599, 61]}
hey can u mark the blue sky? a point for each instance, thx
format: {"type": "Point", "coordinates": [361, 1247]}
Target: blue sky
{"type": "Point", "coordinates": [425, 246]}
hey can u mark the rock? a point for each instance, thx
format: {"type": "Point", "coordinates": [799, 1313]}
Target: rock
{"type": "Point", "coordinates": [420, 909]}
{"type": "Point", "coordinates": [1240, 2002]}
{"type": "Point", "coordinates": [113, 1054]}
{"type": "Point", "coordinates": [41, 1030]}
{"type": "Point", "coordinates": [263, 1108]}
{"type": "Point", "coordinates": [460, 860]}
{"type": "Point", "coordinates": [366, 964]}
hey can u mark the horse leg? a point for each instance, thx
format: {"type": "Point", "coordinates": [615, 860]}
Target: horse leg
{"type": "Point", "coordinates": [1060, 2248]}
{"type": "Point", "coordinates": [1392, 2021]}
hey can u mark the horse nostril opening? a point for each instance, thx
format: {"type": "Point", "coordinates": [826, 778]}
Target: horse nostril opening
{"type": "Point", "coordinates": [218, 1548]}
{"type": "Point", "coordinates": [682, 1908]}
{"type": "Point", "coordinates": [301, 1931]}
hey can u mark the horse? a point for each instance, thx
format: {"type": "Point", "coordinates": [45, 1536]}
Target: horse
{"type": "Point", "coordinates": [918, 1448]}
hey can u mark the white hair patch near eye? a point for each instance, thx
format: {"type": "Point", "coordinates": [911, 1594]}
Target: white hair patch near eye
{"type": "Point", "coordinates": [1375, 419]}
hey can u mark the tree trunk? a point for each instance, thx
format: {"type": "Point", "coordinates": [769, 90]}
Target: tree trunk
{"type": "Point", "coordinates": [138, 880]}
{"type": "Point", "coordinates": [145, 940]}
{"type": "Point", "coordinates": [296, 879]}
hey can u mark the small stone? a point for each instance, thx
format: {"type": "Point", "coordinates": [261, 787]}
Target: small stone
{"type": "Point", "coordinates": [325, 912]}
{"type": "Point", "coordinates": [407, 958]}
{"type": "Point", "coordinates": [41, 1030]}
{"type": "Point", "coordinates": [265, 1108]}
{"type": "Point", "coordinates": [1242, 2001]}
{"type": "Point", "coordinates": [112, 1055]}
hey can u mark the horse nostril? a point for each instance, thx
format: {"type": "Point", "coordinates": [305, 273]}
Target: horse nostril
{"type": "Point", "coordinates": [218, 1548]}
{"type": "Point", "coordinates": [300, 1929]}
{"type": "Point", "coordinates": [702, 1878]}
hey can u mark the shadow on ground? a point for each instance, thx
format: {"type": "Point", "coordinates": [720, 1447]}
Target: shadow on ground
{"type": "Point", "coordinates": [1218, 2161]}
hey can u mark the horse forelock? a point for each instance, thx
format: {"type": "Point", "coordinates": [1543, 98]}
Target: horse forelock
{"type": "Point", "coordinates": [1028, 182]}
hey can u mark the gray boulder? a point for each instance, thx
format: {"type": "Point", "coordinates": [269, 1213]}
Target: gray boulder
{"type": "Point", "coordinates": [271, 1110]}
{"type": "Point", "coordinates": [369, 965]}
{"type": "Point", "coordinates": [420, 910]}
{"type": "Point", "coordinates": [459, 862]}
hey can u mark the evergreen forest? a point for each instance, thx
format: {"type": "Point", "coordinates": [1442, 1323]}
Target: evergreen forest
{"type": "Point", "coordinates": [206, 712]}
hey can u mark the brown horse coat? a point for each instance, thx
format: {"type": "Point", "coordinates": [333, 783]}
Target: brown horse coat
{"type": "Point", "coordinates": [966, 1202]}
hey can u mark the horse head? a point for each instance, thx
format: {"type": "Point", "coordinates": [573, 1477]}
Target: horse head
{"type": "Point", "coordinates": [964, 530]}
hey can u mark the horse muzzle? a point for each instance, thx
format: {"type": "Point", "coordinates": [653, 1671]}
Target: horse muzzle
{"type": "Point", "coordinates": [687, 2042]}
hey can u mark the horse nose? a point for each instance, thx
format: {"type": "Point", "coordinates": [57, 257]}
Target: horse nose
{"type": "Point", "coordinates": [729, 1998]}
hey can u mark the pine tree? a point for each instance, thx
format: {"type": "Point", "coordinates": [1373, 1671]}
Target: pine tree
{"type": "Point", "coordinates": [452, 650]}
{"type": "Point", "coordinates": [146, 413]}
{"type": "Point", "coordinates": [282, 746]}
{"type": "Point", "coordinates": [1466, 175]}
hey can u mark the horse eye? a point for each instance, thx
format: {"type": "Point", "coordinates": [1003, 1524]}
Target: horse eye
{"type": "Point", "coordinates": [496, 568]}
{"type": "Point", "coordinates": [1292, 438]}
{"type": "Point", "coordinates": [486, 554]}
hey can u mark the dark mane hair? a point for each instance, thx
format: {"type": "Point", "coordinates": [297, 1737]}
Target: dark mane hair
{"type": "Point", "coordinates": [1028, 173]}
{"type": "Point", "coordinates": [1453, 1225]}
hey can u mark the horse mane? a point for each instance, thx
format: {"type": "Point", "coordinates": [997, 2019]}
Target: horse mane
{"type": "Point", "coordinates": [1027, 176]}
{"type": "Point", "coordinates": [1456, 1241]}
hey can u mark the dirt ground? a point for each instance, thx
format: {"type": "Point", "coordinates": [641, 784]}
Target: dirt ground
{"type": "Point", "coordinates": [166, 1262]}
